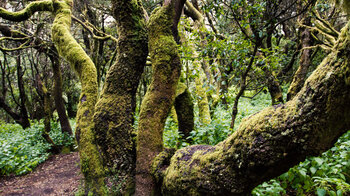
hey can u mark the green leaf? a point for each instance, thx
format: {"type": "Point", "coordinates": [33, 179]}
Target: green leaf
{"type": "Point", "coordinates": [321, 192]}
{"type": "Point", "coordinates": [313, 170]}
{"type": "Point", "coordinates": [339, 193]}
{"type": "Point", "coordinates": [318, 160]}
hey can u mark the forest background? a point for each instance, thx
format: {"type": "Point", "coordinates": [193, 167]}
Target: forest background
{"type": "Point", "coordinates": [237, 58]}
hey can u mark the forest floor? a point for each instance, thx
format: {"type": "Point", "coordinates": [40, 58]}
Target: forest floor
{"type": "Point", "coordinates": [59, 175]}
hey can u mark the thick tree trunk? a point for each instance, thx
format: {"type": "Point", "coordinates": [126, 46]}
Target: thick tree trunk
{"type": "Point", "coordinates": [271, 141]}
{"type": "Point", "coordinates": [160, 95]}
{"type": "Point", "coordinates": [114, 115]}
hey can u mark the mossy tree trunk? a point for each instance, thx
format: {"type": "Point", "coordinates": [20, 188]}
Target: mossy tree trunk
{"type": "Point", "coordinates": [68, 48]}
{"type": "Point", "coordinates": [115, 109]}
{"type": "Point", "coordinates": [161, 92]}
{"type": "Point", "coordinates": [45, 95]}
{"type": "Point", "coordinates": [271, 141]}
{"type": "Point", "coordinates": [184, 111]}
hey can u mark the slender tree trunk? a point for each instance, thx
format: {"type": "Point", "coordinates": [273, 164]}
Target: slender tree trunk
{"type": "Point", "coordinates": [305, 62]}
{"type": "Point", "coordinates": [57, 94]}
{"type": "Point", "coordinates": [23, 110]}
{"type": "Point", "coordinates": [243, 86]}
{"type": "Point", "coordinates": [48, 113]}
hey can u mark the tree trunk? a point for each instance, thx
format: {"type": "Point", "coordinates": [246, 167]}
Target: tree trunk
{"type": "Point", "coordinates": [57, 94]}
{"type": "Point", "coordinates": [271, 141]}
{"type": "Point", "coordinates": [114, 114]}
{"type": "Point", "coordinates": [305, 62]}
{"type": "Point", "coordinates": [67, 46]}
{"type": "Point", "coordinates": [274, 87]}
{"type": "Point", "coordinates": [23, 110]}
{"type": "Point", "coordinates": [160, 95]}
{"type": "Point", "coordinates": [184, 111]}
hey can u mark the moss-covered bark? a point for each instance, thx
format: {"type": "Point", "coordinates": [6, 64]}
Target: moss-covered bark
{"type": "Point", "coordinates": [27, 12]}
{"type": "Point", "coordinates": [68, 48]}
{"type": "Point", "coordinates": [202, 99]}
{"type": "Point", "coordinates": [184, 111]}
{"type": "Point", "coordinates": [160, 95]}
{"type": "Point", "coordinates": [271, 141]}
{"type": "Point", "coordinates": [114, 113]}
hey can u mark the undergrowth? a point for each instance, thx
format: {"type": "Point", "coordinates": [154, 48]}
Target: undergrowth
{"type": "Point", "coordinates": [22, 150]}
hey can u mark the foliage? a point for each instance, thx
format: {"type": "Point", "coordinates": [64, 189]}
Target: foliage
{"type": "Point", "coordinates": [219, 128]}
{"type": "Point", "coordinates": [328, 174]}
{"type": "Point", "coordinates": [22, 150]}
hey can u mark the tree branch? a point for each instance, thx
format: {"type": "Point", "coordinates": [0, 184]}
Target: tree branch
{"type": "Point", "coordinates": [27, 12]}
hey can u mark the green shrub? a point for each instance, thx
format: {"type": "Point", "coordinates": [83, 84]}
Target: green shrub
{"type": "Point", "coordinates": [22, 150]}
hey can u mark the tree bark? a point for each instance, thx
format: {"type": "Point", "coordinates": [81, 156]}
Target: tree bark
{"type": "Point", "coordinates": [114, 115]}
{"type": "Point", "coordinates": [305, 61]}
{"type": "Point", "coordinates": [57, 94]}
{"type": "Point", "coordinates": [271, 141]}
{"type": "Point", "coordinates": [67, 46]}
{"type": "Point", "coordinates": [23, 109]}
{"type": "Point", "coordinates": [184, 111]}
{"type": "Point", "coordinates": [160, 95]}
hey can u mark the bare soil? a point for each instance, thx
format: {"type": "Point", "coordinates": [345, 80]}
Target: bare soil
{"type": "Point", "coordinates": [59, 175]}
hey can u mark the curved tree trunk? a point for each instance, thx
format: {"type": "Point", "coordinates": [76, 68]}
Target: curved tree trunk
{"type": "Point", "coordinates": [160, 94]}
{"type": "Point", "coordinates": [68, 48]}
{"type": "Point", "coordinates": [271, 141]}
{"type": "Point", "coordinates": [114, 115]}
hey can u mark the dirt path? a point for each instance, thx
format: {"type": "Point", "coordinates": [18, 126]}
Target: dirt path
{"type": "Point", "coordinates": [59, 175]}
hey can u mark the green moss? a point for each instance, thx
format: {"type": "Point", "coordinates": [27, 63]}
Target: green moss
{"type": "Point", "coordinates": [28, 11]}
{"type": "Point", "coordinates": [68, 48]}
{"type": "Point", "coordinates": [160, 95]}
